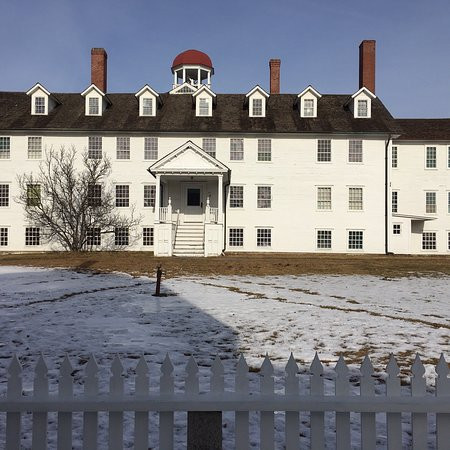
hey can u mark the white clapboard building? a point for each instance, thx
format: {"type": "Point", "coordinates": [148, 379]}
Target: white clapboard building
{"type": "Point", "coordinates": [259, 171]}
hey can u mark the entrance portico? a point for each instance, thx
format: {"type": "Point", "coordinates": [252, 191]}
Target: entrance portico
{"type": "Point", "coordinates": [189, 190]}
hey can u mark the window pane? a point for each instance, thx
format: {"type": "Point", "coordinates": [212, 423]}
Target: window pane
{"type": "Point", "coordinates": [209, 146]}
{"type": "Point", "coordinates": [323, 238]}
{"type": "Point", "coordinates": [203, 107]}
{"type": "Point", "coordinates": [264, 197]}
{"type": "Point", "coordinates": [149, 196]}
{"type": "Point", "coordinates": [151, 148]}
{"type": "Point", "coordinates": [147, 106]}
{"type": "Point", "coordinates": [94, 195]}
{"type": "Point", "coordinates": [264, 149]}
{"type": "Point", "coordinates": [93, 106]}
{"type": "Point", "coordinates": [362, 108]}
{"type": "Point", "coordinates": [121, 236]}
{"type": "Point", "coordinates": [396, 228]}
{"type": "Point", "coordinates": [394, 201]}
{"type": "Point", "coordinates": [236, 149]}
{"type": "Point", "coordinates": [431, 158]}
{"type": "Point", "coordinates": [32, 236]}
{"type": "Point", "coordinates": [236, 237]}
{"type": "Point", "coordinates": [4, 194]}
{"type": "Point", "coordinates": [355, 199]}
{"type": "Point", "coordinates": [429, 241]}
{"type": "Point", "coordinates": [430, 202]}
{"type": "Point", "coordinates": [236, 196]}
{"type": "Point", "coordinates": [33, 194]}
{"type": "Point", "coordinates": [148, 236]}
{"type": "Point", "coordinates": [394, 157]}
{"type": "Point", "coordinates": [123, 147]}
{"type": "Point", "coordinates": [95, 147]}
{"type": "Point", "coordinates": [93, 236]}
{"type": "Point", "coordinates": [263, 237]}
{"type": "Point", "coordinates": [355, 151]}
{"type": "Point", "coordinates": [324, 150]}
{"type": "Point", "coordinates": [355, 240]}
{"type": "Point", "coordinates": [122, 195]}
{"type": "Point", "coordinates": [257, 107]}
{"type": "Point", "coordinates": [3, 236]}
{"type": "Point", "coordinates": [39, 105]}
{"type": "Point", "coordinates": [308, 108]}
{"type": "Point", "coordinates": [5, 147]}
{"type": "Point", "coordinates": [324, 198]}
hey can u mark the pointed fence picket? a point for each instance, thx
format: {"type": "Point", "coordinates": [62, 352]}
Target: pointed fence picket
{"type": "Point", "coordinates": [241, 401]}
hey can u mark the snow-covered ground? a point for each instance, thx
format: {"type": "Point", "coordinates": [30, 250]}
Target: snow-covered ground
{"type": "Point", "coordinates": [59, 311]}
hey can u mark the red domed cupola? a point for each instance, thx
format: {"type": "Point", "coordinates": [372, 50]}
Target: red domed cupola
{"type": "Point", "coordinates": [192, 66]}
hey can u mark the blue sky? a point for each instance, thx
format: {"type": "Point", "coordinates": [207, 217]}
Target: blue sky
{"type": "Point", "coordinates": [317, 41]}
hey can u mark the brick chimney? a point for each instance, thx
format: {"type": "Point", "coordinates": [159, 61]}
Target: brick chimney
{"type": "Point", "coordinates": [99, 60]}
{"type": "Point", "coordinates": [274, 65]}
{"type": "Point", "coordinates": [367, 65]}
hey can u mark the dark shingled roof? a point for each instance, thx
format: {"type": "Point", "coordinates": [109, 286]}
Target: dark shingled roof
{"type": "Point", "coordinates": [424, 129]}
{"type": "Point", "coordinates": [177, 114]}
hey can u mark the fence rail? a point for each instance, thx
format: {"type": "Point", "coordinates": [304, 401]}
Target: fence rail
{"type": "Point", "coordinates": [241, 401]}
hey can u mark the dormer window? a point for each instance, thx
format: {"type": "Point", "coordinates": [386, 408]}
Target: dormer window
{"type": "Point", "coordinates": [203, 98]}
{"type": "Point", "coordinates": [308, 107]}
{"type": "Point", "coordinates": [95, 101]}
{"type": "Point", "coordinates": [362, 108]}
{"type": "Point", "coordinates": [147, 107]}
{"type": "Point", "coordinates": [148, 101]}
{"type": "Point", "coordinates": [93, 106]}
{"type": "Point", "coordinates": [361, 103]}
{"type": "Point", "coordinates": [39, 105]}
{"type": "Point", "coordinates": [257, 100]}
{"type": "Point", "coordinates": [42, 102]}
{"type": "Point", "coordinates": [307, 103]}
{"type": "Point", "coordinates": [257, 107]}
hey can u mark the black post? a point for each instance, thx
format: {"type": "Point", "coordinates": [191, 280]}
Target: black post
{"type": "Point", "coordinates": [204, 430]}
{"type": "Point", "coordinates": [158, 280]}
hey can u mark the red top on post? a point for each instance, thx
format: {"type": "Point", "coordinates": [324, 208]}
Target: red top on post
{"type": "Point", "coordinates": [192, 57]}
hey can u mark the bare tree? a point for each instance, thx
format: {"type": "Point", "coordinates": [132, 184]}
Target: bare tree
{"type": "Point", "coordinates": [72, 202]}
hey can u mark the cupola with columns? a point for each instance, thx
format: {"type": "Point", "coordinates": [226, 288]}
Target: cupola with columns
{"type": "Point", "coordinates": [192, 67]}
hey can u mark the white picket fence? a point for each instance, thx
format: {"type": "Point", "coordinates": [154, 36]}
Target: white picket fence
{"type": "Point", "coordinates": [241, 401]}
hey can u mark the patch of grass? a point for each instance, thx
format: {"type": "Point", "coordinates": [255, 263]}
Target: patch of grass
{"type": "Point", "coordinates": [144, 263]}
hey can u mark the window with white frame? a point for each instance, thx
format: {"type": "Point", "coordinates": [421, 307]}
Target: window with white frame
{"type": "Point", "coordinates": [147, 236]}
{"type": "Point", "coordinates": [324, 197]}
{"type": "Point", "coordinates": [263, 237]}
{"type": "Point", "coordinates": [236, 237]}
{"type": "Point", "coordinates": [121, 236]}
{"type": "Point", "coordinates": [394, 157]}
{"type": "Point", "coordinates": [236, 196]}
{"type": "Point", "coordinates": [355, 239]}
{"type": "Point", "coordinates": [324, 150]}
{"type": "Point", "coordinates": [448, 202]}
{"type": "Point", "coordinates": [35, 147]}
{"type": "Point", "coordinates": [264, 197]}
{"type": "Point", "coordinates": [448, 240]}
{"type": "Point", "coordinates": [5, 147]}
{"type": "Point", "coordinates": [264, 150]}
{"type": "Point", "coordinates": [123, 147]}
{"type": "Point", "coordinates": [94, 106]}
{"type": "Point", "coordinates": [448, 158]}
{"type": "Point", "coordinates": [308, 107]}
{"type": "Point", "coordinates": [355, 151]}
{"type": "Point", "coordinates": [122, 195]}
{"type": "Point", "coordinates": [95, 147]}
{"type": "Point", "coordinates": [257, 105]}
{"type": "Point", "coordinates": [430, 158]}
{"type": "Point", "coordinates": [33, 194]}
{"type": "Point", "coordinates": [203, 107]}
{"type": "Point", "coordinates": [39, 105]}
{"type": "Point", "coordinates": [94, 197]}
{"type": "Point", "coordinates": [93, 237]}
{"type": "Point", "coordinates": [323, 239]}
{"type": "Point", "coordinates": [147, 107]}
{"type": "Point", "coordinates": [151, 148]}
{"type": "Point", "coordinates": [394, 201]}
{"type": "Point", "coordinates": [236, 149]}
{"type": "Point", "coordinates": [355, 198]}
{"type": "Point", "coordinates": [396, 228]}
{"type": "Point", "coordinates": [32, 236]}
{"type": "Point", "coordinates": [430, 202]}
{"type": "Point", "coordinates": [429, 240]}
{"type": "Point", "coordinates": [149, 195]}
{"type": "Point", "coordinates": [209, 146]}
{"type": "Point", "coordinates": [3, 236]}
{"type": "Point", "coordinates": [4, 195]}
{"type": "Point", "coordinates": [363, 108]}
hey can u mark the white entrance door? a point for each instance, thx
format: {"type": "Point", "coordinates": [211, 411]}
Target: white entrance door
{"type": "Point", "coordinates": [193, 202]}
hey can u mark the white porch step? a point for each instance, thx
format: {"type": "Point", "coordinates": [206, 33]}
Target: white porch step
{"type": "Point", "coordinates": [189, 240]}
